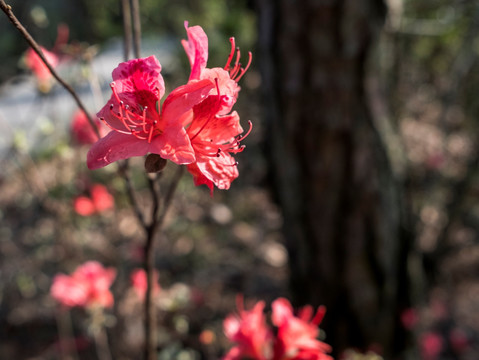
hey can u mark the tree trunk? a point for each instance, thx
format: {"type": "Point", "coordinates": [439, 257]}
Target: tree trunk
{"type": "Point", "coordinates": [329, 168]}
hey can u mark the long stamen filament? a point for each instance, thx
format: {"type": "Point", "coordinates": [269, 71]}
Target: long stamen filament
{"type": "Point", "coordinates": [243, 71]}
{"type": "Point", "coordinates": [231, 55]}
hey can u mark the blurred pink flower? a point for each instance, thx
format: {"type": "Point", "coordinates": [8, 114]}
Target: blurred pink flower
{"type": "Point", "coordinates": [82, 131]}
{"type": "Point", "coordinates": [36, 65]}
{"type": "Point", "coordinates": [39, 69]}
{"type": "Point", "coordinates": [87, 286]}
{"type": "Point", "coordinates": [430, 345]}
{"type": "Point", "coordinates": [249, 331]}
{"type": "Point", "coordinates": [409, 318]}
{"type": "Point", "coordinates": [295, 339]}
{"type": "Point", "coordinates": [100, 201]}
{"type": "Point", "coordinates": [297, 335]}
{"type": "Point", "coordinates": [139, 282]}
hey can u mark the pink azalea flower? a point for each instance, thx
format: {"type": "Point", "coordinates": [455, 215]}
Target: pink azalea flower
{"type": "Point", "coordinates": [431, 345]}
{"type": "Point", "coordinates": [295, 339]}
{"type": "Point", "coordinates": [39, 69]}
{"type": "Point", "coordinates": [213, 133]}
{"type": "Point", "coordinates": [100, 201]}
{"type": "Point", "coordinates": [139, 125]}
{"type": "Point", "coordinates": [249, 331]}
{"type": "Point", "coordinates": [84, 206]}
{"type": "Point", "coordinates": [139, 282]}
{"type": "Point", "coordinates": [82, 131]}
{"type": "Point", "coordinates": [69, 291]}
{"type": "Point", "coordinates": [409, 318]}
{"type": "Point", "coordinates": [297, 335]}
{"type": "Point", "coordinates": [87, 286]}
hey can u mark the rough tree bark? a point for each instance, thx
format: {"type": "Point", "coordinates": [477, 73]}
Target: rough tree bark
{"type": "Point", "coordinates": [330, 170]}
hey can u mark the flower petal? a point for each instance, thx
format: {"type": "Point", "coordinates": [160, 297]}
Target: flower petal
{"type": "Point", "coordinates": [139, 81]}
{"type": "Point", "coordinates": [115, 146]}
{"type": "Point", "coordinates": [200, 179]}
{"type": "Point", "coordinates": [183, 98]}
{"type": "Point", "coordinates": [196, 47]}
{"type": "Point", "coordinates": [228, 87]}
{"type": "Point", "coordinates": [174, 144]}
{"type": "Point", "coordinates": [221, 169]}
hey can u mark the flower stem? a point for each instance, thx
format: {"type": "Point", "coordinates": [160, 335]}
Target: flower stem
{"type": "Point", "coordinates": [152, 231]}
{"type": "Point", "coordinates": [126, 10]}
{"type": "Point", "coordinates": [135, 11]}
{"type": "Point", "coordinates": [101, 344]}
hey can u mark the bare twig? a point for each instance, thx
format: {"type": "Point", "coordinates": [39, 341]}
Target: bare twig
{"type": "Point", "coordinates": [123, 171]}
{"type": "Point", "coordinates": [135, 10]}
{"type": "Point", "coordinates": [169, 195]}
{"type": "Point", "coordinates": [7, 9]}
{"type": "Point", "coordinates": [101, 342]}
{"type": "Point", "coordinates": [153, 229]}
{"type": "Point", "coordinates": [125, 5]}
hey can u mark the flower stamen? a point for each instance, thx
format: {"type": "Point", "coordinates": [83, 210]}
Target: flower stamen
{"type": "Point", "coordinates": [243, 71]}
{"type": "Point", "coordinates": [231, 55]}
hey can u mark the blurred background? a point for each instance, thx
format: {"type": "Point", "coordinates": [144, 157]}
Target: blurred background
{"type": "Point", "coordinates": [358, 187]}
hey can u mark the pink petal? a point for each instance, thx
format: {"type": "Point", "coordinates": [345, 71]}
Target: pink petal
{"type": "Point", "coordinates": [198, 177]}
{"type": "Point", "coordinates": [84, 206]}
{"type": "Point", "coordinates": [183, 98]}
{"type": "Point", "coordinates": [115, 146]}
{"type": "Point", "coordinates": [174, 144]}
{"type": "Point", "coordinates": [102, 199]}
{"type": "Point", "coordinates": [222, 129]}
{"type": "Point", "coordinates": [139, 81]}
{"type": "Point", "coordinates": [282, 311]}
{"type": "Point", "coordinates": [36, 64]}
{"type": "Point", "coordinates": [196, 47]}
{"type": "Point", "coordinates": [233, 354]}
{"type": "Point", "coordinates": [227, 86]}
{"type": "Point", "coordinates": [221, 169]}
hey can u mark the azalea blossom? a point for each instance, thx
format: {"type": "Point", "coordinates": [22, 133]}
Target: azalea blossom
{"type": "Point", "coordinates": [139, 126]}
{"type": "Point", "coordinates": [214, 134]}
{"type": "Point", "coordinates": [297, 335]}
{"type": "Point", "coordinates": [100, 201]}
{"type": "Point", "coordinates": [295, 338]}
{"type": "Point", "coordinates": [87, 286]}
{"type": "Point", "coordinates": [82, 131]}
{"type": "Point", "coordinates": [249, 331]}
{"type": "Point", "coordinates": [140, 282]}
{"type": "Point", "coordinates": [39, 69]}
{"type": "Point", "coordinates": [36, 65]}
{"type": "Point", "coordinates": [430, 344]}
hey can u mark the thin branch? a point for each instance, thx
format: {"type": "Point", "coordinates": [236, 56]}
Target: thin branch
{"type": "Point", "coordinates": [135, 10]}
{"type": "Point", "coordinates": [155, 194]}
{"type": "Point", "coordinates": [169, 194]}
{"type": "Point", "coordinates": [123, 171]}
{"type": "Point", "coordinates": [7, 9]}
{"type": "Point", "coordinates": [125, 6]}
{"type": "Point", "coordinates": [155, 227]}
